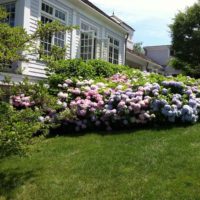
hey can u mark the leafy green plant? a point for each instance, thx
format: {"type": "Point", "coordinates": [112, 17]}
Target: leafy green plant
{"type": "Point", "coordinates": [17, 128]}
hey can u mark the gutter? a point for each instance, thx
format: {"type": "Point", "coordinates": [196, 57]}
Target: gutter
{"type": "Point", "coordinates": [126, 39]}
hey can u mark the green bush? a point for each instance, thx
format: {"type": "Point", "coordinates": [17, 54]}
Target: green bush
{"type": "Point", "coordinates": [102, 68]}
{"type": "Point", "coordinates": [58, 71]}
{"type": "Point", "coordinates": [71, 68]}
{"type": "Point", "coordinates": [17, 128]}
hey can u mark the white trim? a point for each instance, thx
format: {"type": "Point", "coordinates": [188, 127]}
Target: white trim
{"type": "Point", "coordinates": [73, 35]}
{"type": "Point", "coordinates": [26, 21]}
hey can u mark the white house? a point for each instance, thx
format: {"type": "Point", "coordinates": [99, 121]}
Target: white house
{"type": "Point", "coordinates": [162, 55]}
{"type": "Point", "coordinates": [100, 36]}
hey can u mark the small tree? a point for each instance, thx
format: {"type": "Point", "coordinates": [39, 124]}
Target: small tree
{"type": "Point", "coordinates": [137, 48]}
{"type": "Point", "coordinates": [15, 40]}
{"type": "Point", "coordinates": [185, 32]}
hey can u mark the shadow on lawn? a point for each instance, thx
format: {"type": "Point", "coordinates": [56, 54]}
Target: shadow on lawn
{"type": "Point", "coordinates": [11, 180]}
{"type": "Point", "coordinates": [69, 132]}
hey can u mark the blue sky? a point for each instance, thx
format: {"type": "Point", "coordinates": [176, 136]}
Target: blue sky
{"type": "Point", "coordinates": [150, 18]}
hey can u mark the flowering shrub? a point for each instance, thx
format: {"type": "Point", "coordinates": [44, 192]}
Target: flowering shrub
{"type": "Point", "coordinates": [122, 100]}
{"type": "Point", "coordinates": [184, 105]}
{"type": "Point", "coordinates": [22, 101]}
{"type": "Point", "coordinates": [119, 101]}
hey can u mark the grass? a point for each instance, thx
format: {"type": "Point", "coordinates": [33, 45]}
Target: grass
{"type": "Point", "coordinates": [144, 164]}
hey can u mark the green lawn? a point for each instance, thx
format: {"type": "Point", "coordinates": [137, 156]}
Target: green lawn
{"type": "Point", "coordinates": [145, 164]}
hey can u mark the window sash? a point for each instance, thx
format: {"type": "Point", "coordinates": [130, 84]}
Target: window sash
{"type": "Point", "coordinates": [55, 12]}
{"type": "Point", "coordinates": [10, 7]}
{"type": "Point", "coordinates": [57, 39]}
{"type": "Point", "coordinates": [88, 45]}
{"type": "Point", "coordinates": [113, 51]}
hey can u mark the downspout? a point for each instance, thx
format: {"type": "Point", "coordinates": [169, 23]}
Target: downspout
{"type": "Point", "coordinates": [126, 39]}
{"type": "Point", "coordinates": [147, 66]}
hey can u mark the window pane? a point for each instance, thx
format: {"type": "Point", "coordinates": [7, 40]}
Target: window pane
{"type": "Point", "coordinates": [46, 42]}
{"type": "Point", "coordinates": [84, 27]}
{"type": "Point", "coordinates": [60, 15]}
{"type": "Point", "coordinates": [59, 39]}
{"type": "Point", "coordinates": [116, 43]}
{"type": "Point", "coordinates": [111, 40]}
{"type": "Point", "coordinates": [46, 8]}
{"type": "Point", "coordinates": [10, 9]}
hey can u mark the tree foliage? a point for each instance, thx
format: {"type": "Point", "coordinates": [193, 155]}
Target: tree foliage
{"type": "Point", "coordinates": [137, 48]}
{"type": "Point", "coordinates": [16, 42]}
{"type": "Point", "coordinates": [185, 32]}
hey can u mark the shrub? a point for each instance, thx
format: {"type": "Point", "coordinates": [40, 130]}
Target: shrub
{"type": "Point", "coordinates": [120, 101]}
{"type": "Point", "coordinates": [105, 69]}
{"type": "Point", "coordinates": [29, 95]}
{"type": "Point", "coordinates": [59, 70]}
{"type": "Point", "coordinates": [17, 128]}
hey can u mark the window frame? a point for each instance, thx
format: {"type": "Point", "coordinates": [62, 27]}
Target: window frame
{"type": "Point", "coordinates": [92, 52]}
{"type": "Point", "coordinates": [55, 7]}
{"type": "Point", "coordinates": [114, 47]}
{"type": "Point", "coordinates": [94, 30]}
{"type": "Point", "coordinates": [54, 18]}
{"type": "Point", "coordinates": [3, 4]}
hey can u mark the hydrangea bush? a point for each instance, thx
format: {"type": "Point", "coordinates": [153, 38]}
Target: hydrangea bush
{"type": "Point", "coordinates": [121, 101]}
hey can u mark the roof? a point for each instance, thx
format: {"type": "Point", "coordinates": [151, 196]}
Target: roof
{"type": "Point", "coordinates": [157, 46]}
{"type": "Point", "coordinates": [122, 22]}
{"type": "Point", "coordinates": [142, 56]}
{"type": "Point", "coordinates": [102, 12]}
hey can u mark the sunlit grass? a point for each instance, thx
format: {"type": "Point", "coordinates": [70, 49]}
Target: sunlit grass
{"type": "Point", "coordinates": [143, 164]}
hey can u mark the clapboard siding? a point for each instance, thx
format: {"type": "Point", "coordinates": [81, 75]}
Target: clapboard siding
{"type": "Point", "coordinates": [34, 15]}
{"type": "Point", "coordinates": [36, 69]}
{"type": "Point", "coordinates": [35, 7]}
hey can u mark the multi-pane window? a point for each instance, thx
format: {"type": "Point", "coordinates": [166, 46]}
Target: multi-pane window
{"type": "Point", "coordinates": [10, 9]}
{"type": "Point", "coordinates": [46, 42]}
{"type": "Point", "coordinates": [87, 46]}
{"type": "Point", "coordinates": [49, 13]}
{"type": "Point", "coordinates": [113, 50]}
{"type": "Point", "coordinates": [88, 42]}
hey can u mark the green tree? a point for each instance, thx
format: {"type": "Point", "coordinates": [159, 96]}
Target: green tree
{"type": "Point", "coordinates": [185, 32]}
{"type": "Point", "coordinates": [15, 40]}
{"type": "Point", "coordinates": [137, 48]}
